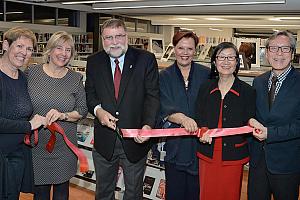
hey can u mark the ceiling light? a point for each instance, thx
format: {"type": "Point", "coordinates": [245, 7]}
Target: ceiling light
{"type": "Point", "coordinates": [285, 18]}
{"type": "Point", "coordinates": [100, 1]}
{"type": "Point", "coordinates": [15, 12]}
{"type": "Point", "coordinates": [179, 4]}
{"type": "Point", "coordinates": [275, 19]}
{"type": "Point", "coordinates": [184, 19]}
{"type": "Point", "coordinates": [214, 18]}
{"type": "Point", "coordinates": [187, 29]}
{"type": "Point", "coordinates": [215, 29]}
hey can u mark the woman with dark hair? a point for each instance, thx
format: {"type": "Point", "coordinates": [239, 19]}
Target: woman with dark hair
{"type": "Point", "coordinates": [223, 102]}
{"type": "Point", "coordinates": [179, 85]}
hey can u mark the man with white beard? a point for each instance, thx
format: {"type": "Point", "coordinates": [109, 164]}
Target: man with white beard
{"type": "Point", "coordinates": [122, 92]}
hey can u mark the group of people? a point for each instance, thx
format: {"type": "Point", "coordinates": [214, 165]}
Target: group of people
{"type": "Point", "coordinates": [124, 89]}
{"type": "Point", "coordinates": [45, 93]}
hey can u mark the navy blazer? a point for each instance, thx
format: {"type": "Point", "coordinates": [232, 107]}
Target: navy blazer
{"type": "Point", "coordinates": [282, 146]}
{"type": "Point", "coordinates": [137, 105]}
{"type": "Point", "coordinates": [181, 151]}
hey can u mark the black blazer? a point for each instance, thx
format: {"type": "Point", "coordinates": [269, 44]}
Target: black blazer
{"type": "Point", "coordinates": [282, 147]}
{"type": "Point", "coordinates": [238, 108]}
{"type": "Point", "coordinates": [138, 101]}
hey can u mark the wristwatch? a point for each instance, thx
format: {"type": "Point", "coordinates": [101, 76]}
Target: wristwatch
{"type": "Point", "coordinates": [66, 116]}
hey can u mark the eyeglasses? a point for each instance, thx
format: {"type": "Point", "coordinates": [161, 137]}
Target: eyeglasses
{"type": "Point", "coordinates": [229, 58]}
{"type": "Point", "coordinates": [116, 37]}
{"type": "Point", "coordinates": [284, 49]}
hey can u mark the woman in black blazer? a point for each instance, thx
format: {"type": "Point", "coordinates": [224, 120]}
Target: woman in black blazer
{"type": "Point", "coordinates": [223, 102]}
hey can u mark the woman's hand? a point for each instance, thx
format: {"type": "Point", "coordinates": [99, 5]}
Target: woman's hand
{"type": "Point", "coordinates": [54, 115]}
{"type": "Point", "coordinates": [189, 124]}
{"type": "Point", "coordinates": [205, 138]}
{"type": "Point", "coordinates": [37, 121]}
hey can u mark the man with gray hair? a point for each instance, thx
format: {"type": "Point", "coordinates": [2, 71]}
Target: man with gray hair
{"type": "Point", "coordinates": [123, 92]}
{"type": "Point", "coordinates": [275, 147]}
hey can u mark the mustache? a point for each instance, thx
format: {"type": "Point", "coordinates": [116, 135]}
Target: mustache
{"type": "Point", "coordinates": [116, 46]}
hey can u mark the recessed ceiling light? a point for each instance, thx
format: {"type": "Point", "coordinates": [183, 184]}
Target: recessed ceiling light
{"type": "Point", "coordinates": [168, 5]}
{"type": "Point", "coordinates": [15, 12]}
{"type": "Point", "coordinates": [100, 1]}
{"type": "Point", "coordinates": [215, 29]}
{"type": "Point", "coordinates": [214, 18]}
{"type": "Point", "coordinates": [289, 18]}
{"type": "Point", "coordinates": [275, 19]}
{"type": "Point", "coordinates": [184, 19]}
{"type": "Point", "coordinates": [188, 29]}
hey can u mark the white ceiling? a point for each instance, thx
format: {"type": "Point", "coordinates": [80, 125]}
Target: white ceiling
{"type": "Point", "coordinates": [281, 14]}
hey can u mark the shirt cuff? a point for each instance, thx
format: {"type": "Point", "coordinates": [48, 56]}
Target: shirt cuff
{"type": "Point", "coordinates": [97, 107]}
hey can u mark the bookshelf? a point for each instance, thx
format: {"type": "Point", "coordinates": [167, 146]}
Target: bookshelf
{"type": "Point", "coordinates": [83, 44]}
{"type": "Point", "coordinates": [138, 41]}
{"type": "Point", "coordinates": [148, 41]}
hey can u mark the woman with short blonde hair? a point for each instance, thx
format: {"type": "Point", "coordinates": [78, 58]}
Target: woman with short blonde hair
{"type": "Point", "coordinates": [57, 39]}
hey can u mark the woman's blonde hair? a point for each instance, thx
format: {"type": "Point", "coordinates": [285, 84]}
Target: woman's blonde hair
{"type": "Point", "coordinates": [15, 33]}
{"type": "Point", "coordinates": [56, 39]}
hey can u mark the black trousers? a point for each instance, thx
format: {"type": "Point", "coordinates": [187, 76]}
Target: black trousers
{"type": "Point", "coordinates": [60, 191]}
{"type": "Point", "coordinates": [107, 172]}
{"type": "Point", "coordinates": [180, 185]}
{"type": "Point", "coordinates": [11, 174]}
{"type": "Point", "coordinates": [262, 184]}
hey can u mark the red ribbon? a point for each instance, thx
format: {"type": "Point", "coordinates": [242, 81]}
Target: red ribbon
{"type": "Point", "coordinates": [56, 128]}
{"type": "Point", "coordinates": [217, 132]}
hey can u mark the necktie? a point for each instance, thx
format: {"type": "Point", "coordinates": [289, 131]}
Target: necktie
{"type": "Point", "coordinates": [272, 91]}
{"type": "Point", "coordinates": [117, 78]}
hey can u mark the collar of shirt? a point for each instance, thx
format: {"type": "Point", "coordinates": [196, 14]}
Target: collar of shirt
{"type": "Point", "coordinates": [187, 84]}
{"type": "Point", "coordinates": [113, 64]}
{"type": "Point", "coordinates": [235, 88]}
{"type": "Point", "coordinates": [280, 78]}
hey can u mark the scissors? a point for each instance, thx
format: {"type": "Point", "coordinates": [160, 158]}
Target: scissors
{"type": "Point", "coordinates": [118, 130]}
{"type": "Point", "coordinates": [119, 133]}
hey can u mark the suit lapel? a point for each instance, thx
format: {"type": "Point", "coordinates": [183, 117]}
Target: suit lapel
{"type": "Point", "coordinates": [128, 68]}
{"type": "Point", "coordinates": [265, 92]}
{"type": "Point", "coordinates": [106, 74]}
{"type": "Point", "coordinates": [284, 89]}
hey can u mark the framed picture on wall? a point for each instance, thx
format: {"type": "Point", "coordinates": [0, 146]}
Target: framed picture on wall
{"type": "Point", "coordinates": [204, 53]}
{"type": "Point", "coordinates": [243, 64]}
{"type": "Point", "coordinates": [167, 53]}
{"type": "Point", "coordinates": [255, 62]}
{"type": "Point", "coordinates": [157, 47]}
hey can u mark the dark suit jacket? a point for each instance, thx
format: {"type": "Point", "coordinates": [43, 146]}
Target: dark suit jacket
{"type": "Point", "coordinates": [282, 147]}
{"type": "Point", "coordinates": [138, 101]}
